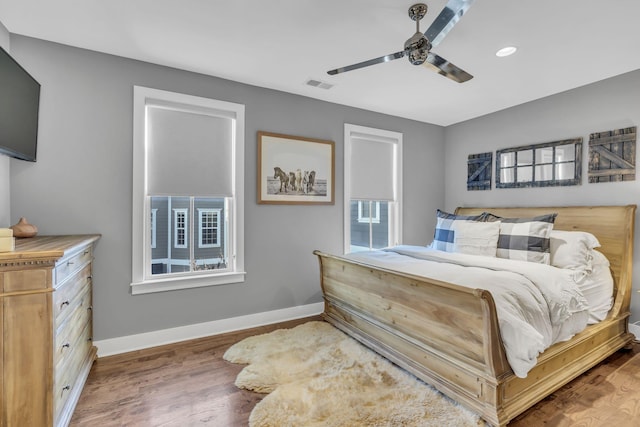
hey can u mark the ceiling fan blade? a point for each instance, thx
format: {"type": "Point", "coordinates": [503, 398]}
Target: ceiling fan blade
{"type": "Point", "coordinates": [444, 22]}
{"type": "Point", "coordinates": [363, 64]}
{"type": "Point", "coordinates": [446, 68]}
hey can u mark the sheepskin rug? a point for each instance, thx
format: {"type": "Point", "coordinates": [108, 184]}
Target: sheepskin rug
{"type": "Point", "coordinates": [317, 376]}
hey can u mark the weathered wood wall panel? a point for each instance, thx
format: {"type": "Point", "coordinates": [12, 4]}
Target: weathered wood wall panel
{"type": "Point", "coordinates": [479, 171]}
{"type": "Point", "coordinates": [612, 155]}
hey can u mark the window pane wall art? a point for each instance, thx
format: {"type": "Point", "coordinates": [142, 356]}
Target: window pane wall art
{"type": "Point", "coordinates": [540, 165]}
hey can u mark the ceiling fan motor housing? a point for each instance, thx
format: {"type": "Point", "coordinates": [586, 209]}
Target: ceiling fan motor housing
{"type": "Point", "coordinates": [417, 48]}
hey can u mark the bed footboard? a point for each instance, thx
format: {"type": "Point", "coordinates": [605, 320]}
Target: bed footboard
{"type": "Point", "coordinates": [448, 336]}
{"type": "Point", "coordinates": [445, 334]}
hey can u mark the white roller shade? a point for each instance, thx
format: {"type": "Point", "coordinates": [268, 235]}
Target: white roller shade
{"type": "Point", "coordinates": [372, 170]}
{"type": "Point", "coordinates": [188, 153]}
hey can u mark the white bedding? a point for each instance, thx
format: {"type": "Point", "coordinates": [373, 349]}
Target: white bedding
{"type": "Point", "coordinates": [537, 304]}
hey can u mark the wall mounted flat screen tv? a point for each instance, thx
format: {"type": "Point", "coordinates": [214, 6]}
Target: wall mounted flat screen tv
{"type": "Point", "coordinates": [19, 104]}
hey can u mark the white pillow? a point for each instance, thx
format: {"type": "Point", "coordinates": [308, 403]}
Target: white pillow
{"type": "Point", "coordinates": [572, 249]}
{"type": "Point", "coordinates": [597, 288]}
{"type": "Point", "coordinates": [476, 238]}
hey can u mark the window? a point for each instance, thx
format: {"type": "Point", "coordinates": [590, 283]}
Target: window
{"type": "Point", "coordinates": [188, 185]}
{"type": "Point", "coordinates": [373, 188]}
{"type": "Point", "coordinates": [209, 231]}
{"type": "Point", "coordinates": [368, 212]}
{"type": "Point", "coordinates": [540, 165]}
{"type": "Point", "coordinates": [180, 228]}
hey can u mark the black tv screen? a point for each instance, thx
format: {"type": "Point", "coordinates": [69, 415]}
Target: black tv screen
{"type": "Point", "coordinates": [19, 103]}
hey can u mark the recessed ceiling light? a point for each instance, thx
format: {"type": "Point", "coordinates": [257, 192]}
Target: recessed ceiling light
{"type": "Point", "coordinates": [506, 51]}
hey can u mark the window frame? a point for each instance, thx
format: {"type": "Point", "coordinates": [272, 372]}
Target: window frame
{"type": "Point", "coordinates": [154, 226]}
{"type": "Point", "coordinates": [142, 281]}
{"type": "Point", "coordinates": [216, 229]}
{"type": "Point", "coordinates": [177, 228]}
{"type": "Point", "coordinates": [374, 219]}
{"type": "Point", "coordinates": [533, 165]}
{"type": "Point", "coordinates": [395, 207]}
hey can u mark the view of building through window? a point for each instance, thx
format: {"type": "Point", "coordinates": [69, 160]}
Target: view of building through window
{"type": "Point", "coordinates": [189, 234]}
{"type": "Point", "coordinates": [369, 225]}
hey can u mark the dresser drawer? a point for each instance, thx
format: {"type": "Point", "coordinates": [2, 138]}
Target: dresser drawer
{"type": "Point", "coordinates": [63, 296]}
{"type": "Point", "coordinates": [68, 266]}
{"type": "Point", "coordinates": [67, 333]}
{"type": "Point", "coordinates": [67, 371]}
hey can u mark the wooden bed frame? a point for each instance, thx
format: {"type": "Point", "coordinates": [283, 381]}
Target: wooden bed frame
{"type": "Point", "coordinates": [448, 335]}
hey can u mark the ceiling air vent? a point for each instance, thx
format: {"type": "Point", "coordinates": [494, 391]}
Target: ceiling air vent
{"type": "Point", "coordinates": [318, 83]}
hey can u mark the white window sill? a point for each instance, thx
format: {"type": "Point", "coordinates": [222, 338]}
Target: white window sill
{"type": "Point", "coordinates": [185, 282]}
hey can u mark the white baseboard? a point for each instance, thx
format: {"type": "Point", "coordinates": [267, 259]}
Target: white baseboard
{"type": "Point", "coordinates": [128, 343]}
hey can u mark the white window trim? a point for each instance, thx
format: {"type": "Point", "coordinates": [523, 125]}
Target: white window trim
{"type": "Point", "coordinates": [217, 212]}
{"type": "Point", "coordinates": [395, 208]}
{"type": "Point", "coordinates": [141, 280]}
{"type": "Point", "coordinates": [184, 212]}
{"type": "Point", "coordinates": [154, 223]}
{"type": "Point", "coordinates": [375, 218]}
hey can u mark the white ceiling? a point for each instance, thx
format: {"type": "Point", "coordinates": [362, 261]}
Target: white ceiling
{"type": "Point", "coordinates": [280, 44]}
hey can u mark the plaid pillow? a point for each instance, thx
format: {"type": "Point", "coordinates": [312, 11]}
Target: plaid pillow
{"type": "Point", "coordinates": [444, 236]}
{"type": "Point", "coordinates": [525, 239]}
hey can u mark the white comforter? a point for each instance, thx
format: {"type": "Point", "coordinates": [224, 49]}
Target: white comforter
{"type": "Point", "coordinates": [537, 304]}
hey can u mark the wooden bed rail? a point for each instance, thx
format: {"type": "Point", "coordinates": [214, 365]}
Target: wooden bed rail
{"type": "Point", "coordinates": [451, 319]}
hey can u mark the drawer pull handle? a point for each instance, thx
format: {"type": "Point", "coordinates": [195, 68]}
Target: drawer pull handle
{"type": "Point", "coordinates": [90, 308]}
{"type": "Point", "coordinates": [85, 252]}
{"type": "Point", "coordinates": [64, 303]}
{"type": "Point", "coordinates": [67, 345]}
{"type": "Point", "coordinates": [70, 262]}
{"type": "Point", "coordinates": [66, 388]}
{"type": "Point", "coordinates": [90, 339]}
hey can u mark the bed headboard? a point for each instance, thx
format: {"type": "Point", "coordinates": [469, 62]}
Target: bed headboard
{"type": "Point", "coordinates": [612, 225]}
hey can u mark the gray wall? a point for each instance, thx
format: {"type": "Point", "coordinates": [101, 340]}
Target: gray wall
{"type": "Point", "coordinates": [5, 181]}
{"type": "Point", "coordinates": [610, 104]}
{"type": "Point", "coordinates": [82, 183]}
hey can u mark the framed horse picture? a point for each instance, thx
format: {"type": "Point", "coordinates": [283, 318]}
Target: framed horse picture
{"type": "Point", "coordinates": [294, 170]}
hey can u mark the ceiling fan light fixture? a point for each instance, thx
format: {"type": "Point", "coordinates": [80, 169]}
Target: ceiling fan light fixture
{"type": "Point", "coordinates": [506, 51]}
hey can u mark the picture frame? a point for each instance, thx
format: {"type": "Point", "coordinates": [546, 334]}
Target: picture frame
{"type": "Point", "coordinates": [295, 170]}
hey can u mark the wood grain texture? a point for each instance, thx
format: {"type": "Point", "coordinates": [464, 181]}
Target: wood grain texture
{"type": "Point", "coordinates": [189, 384]}
{"type": "Point", "coordinates": [414, 321]}
{"type": "Point", "coordinates": [47, 247]}
{"type": "Point", "coordinates": [479, 167]}
{"type": "Point", "coordinates": [530, 179]}
{"type": "Point", "coordinates": [181, 384]}
{"type": "Point", "coordinates": [46, 353]}
{"type": "Point", "coordinates": [612, 155]}
{"type": "Point", "coordinates": [607, 395]}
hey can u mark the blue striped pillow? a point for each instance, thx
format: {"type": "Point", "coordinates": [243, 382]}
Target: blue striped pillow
{"type": "Point", "coordinates": [444, 235]}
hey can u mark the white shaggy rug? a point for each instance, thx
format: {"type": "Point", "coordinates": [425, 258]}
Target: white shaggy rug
{"type": "Point", "coordinates": [317, 376]}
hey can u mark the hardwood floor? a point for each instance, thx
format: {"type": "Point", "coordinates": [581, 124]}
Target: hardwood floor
{"type": "Point", "coordinates": [189, 384]}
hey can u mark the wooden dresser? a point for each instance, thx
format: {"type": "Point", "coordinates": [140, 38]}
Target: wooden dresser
{"type": "Point", "coordinates": [46, 323]}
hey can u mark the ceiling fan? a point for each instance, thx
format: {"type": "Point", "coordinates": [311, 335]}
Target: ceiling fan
{"type": "Point", "coordinates": [418, 48]}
